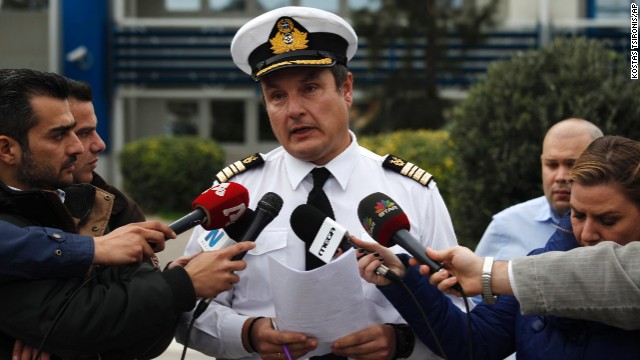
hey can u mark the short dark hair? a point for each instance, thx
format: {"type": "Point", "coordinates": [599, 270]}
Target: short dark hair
{"type": "Point", "coordinates": [339, 72]}
{"type": "Point", "coordinates": [17, 88]}
{"type": "Point", "coordinates": [80, 90]}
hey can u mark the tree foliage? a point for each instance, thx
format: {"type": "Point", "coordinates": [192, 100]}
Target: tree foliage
{"type": "Point", "coordinates": [498, 129]}
{"type": "Point", "coordinates": [166, 173]}
{"type": "Point", "coordinates": [407, 41]}
{"type": "Point", "coordinates": [430, 150]}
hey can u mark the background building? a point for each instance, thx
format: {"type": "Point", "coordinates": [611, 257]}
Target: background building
{"type": "Point", "coordinates": [163, 66]}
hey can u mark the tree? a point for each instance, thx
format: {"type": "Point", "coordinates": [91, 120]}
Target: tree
{"type": "Point", "coordinates": [498, 129]}
{"type": "Point", "coordinates": [165, 173]}
{"type": "Point", "coordinates": [407, 41]}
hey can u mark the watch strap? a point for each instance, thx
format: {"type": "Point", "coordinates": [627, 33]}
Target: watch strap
{"type": "Point", "coordinates": [487, 295]}
{"type": "Point", "coordinates": [405, 341]}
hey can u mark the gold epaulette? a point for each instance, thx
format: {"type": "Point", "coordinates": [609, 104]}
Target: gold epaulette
{"type": "Point", "coordinates": [408, 169]}
{"type": "Point", "coordinates": [238, 167]}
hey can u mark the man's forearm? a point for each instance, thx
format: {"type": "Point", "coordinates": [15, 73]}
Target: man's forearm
{"type": "Point", "coordinates": [39, 252]}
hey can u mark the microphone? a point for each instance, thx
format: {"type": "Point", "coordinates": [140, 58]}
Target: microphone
{"type": "Point", "coordinates": [267, 209]}
{"type": "Point", "coordinates": [221, 238]}
{"type": "Point", "coordinates": [217, 207]}
{"type": "Point", "coordinates": [325, 236]}
{"type": "Point", "coordinates": [385, 221]}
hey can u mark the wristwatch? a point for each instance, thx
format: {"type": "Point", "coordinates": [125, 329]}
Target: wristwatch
{"type": "Point", "coordinates": [487, 295]}
{"type": "Point", "coordinates": [405, 340]}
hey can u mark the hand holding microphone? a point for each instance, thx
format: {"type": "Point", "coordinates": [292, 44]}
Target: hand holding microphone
{"type": "Point", "coordinates": [213, 272]}
{"type": "Point", "coordinates": [385, 221]}
{"type": "Point", "coordinates": [217, 207]}
{"type": "Point", "coordinates": [267, 209]}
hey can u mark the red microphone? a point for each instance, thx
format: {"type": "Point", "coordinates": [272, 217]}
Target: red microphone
{"type": "Point", "coordinates": [386, 223]}
{"type": "Point", "coordinates": [217, 207]}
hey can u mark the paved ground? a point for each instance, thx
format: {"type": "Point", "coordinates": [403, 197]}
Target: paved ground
{"type": "Point", "coordinates": [174, 352]}
{"type": "Point", "coordinates": [173, 249]}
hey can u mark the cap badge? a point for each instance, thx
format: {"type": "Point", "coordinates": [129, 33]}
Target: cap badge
{"type": "Point", "coordinates": [288, 37]}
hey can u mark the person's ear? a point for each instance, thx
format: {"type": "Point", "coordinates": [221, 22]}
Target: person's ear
{"type": "Point", "coordinates": [347, 90]}
{"type": "Point", "coordinates": [10, 150]}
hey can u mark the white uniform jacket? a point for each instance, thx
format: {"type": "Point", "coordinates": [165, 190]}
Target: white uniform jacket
{"type": "Point", "coordinates": [357, 172]}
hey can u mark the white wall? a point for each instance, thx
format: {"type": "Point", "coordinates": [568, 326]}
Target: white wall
{"type": "Point", "coordinates": [23, 40]}
{"type": "Point", "coordinates": [527, 12]}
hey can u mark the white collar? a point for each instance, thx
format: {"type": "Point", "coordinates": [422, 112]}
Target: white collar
{"type": "Point", "coordinates": [341, 167]}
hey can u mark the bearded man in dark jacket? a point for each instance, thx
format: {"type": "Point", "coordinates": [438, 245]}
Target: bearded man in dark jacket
{"type": "Point", "coordinates": [123, 312]}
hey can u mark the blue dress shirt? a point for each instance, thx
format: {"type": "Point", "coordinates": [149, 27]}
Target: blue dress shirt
{"type": "Point", "coordinates": [517, 230]}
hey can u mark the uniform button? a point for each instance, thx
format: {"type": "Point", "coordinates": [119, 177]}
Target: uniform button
{"type": "Point", "coordinates": [107, 197]}
{"type": "Point", "coordinates": [56, 236]}
{"type": "Point", "coordinates": [59, 252]}
{"type": "Point", "coordinates": [95, 228]}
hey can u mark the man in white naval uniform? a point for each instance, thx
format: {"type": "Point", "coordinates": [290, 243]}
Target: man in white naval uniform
{"type": "Point", "coordinates": [308, 92]}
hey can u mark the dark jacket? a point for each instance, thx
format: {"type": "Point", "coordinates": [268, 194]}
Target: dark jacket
{"type": "Point", "coordinates": [498, 330]}
{"type": "Point", "coordinates": [126, 312]}
{"type": "Point", "coordinates": [58, 254]}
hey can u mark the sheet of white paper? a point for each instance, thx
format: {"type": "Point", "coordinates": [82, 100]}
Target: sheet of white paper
{"type": "Point", "coordinates": [326, 303]}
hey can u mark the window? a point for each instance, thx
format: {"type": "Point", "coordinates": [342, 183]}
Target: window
{"type": "Point", "coordinates": [608, 9]}
{"type": "Point", "coordinates": [224, 6]}
{"type": "Point", "coordinates": [328, 5]}
{"type": "Point", "coordinates": [182, 5]}
{"type": "Point", "coordinates": [181, 118]}
{"type": "Point", "coordinates": [264, 126]}
{"type": "Point", "coordinates": [370, 5]}
{"type": "Point", "coordinates": [227, 121]}
{"type": "Point", "coordinates": [266, 5]}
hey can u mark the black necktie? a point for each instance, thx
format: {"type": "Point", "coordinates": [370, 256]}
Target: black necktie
{"type": "Point", "coordinates": [318, 198]}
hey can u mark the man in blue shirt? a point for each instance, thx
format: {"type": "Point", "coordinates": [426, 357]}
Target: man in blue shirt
{"type": "Point", "coordinates": [521, 228]}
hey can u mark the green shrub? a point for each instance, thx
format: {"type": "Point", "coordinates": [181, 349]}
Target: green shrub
{"type": "Point", "coordinates": [430, 150]}
{"type": "Point", "coordinates": [498, 129]}
{"type": "Point", "coordinates": [166, 173]}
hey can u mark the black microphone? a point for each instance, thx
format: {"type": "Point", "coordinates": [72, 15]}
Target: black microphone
{"type": "Point", "coordinates": [385, 221]}
{"type": "Point", "coordinates": [218, 206]}
{"type": "Point", "coordinates": [324, 236]}
{"type": "Point", "coordinates": [267, 209]}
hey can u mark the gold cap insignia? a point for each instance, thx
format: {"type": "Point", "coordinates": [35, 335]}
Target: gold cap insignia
{"type": "Point", "coordinates": [288, 37]}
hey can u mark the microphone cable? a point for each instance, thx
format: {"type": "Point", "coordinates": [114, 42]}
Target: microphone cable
{"type": "Point", "coordinates": [200, 308]}
{"type": "Point", "coordinates": [396, 279]}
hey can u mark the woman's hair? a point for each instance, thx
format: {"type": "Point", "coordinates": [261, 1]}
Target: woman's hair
{"type": "Point", "coordinates": [610, 160]}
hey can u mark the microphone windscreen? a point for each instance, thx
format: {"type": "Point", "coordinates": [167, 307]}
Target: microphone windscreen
{"type": "Point", "coordinates": [306, 221]}
{"type": "Point", "coordinates": [223, 203]}
{"type": "Point", "coordinates": [237, 229]}
{"type": "Point", "coordinates": [270, 203]}
{"type": "Point", "coordinates": [381, 217]}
